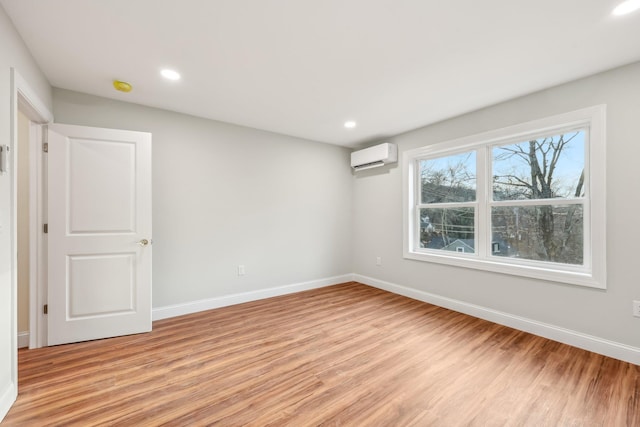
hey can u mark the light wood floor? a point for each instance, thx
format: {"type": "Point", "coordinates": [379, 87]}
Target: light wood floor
{"type": "Point", "coordinates": [343, 355]}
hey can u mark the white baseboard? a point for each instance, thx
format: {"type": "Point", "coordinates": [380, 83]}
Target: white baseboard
{"type": "Point", "coordinates": [7, 398]}
{"type": "Point", "coordinates": [23, 339]}
{"type": "Point", "coordinates": [223, 301]}
{"type": "Point", "coordinates": [566, 336]}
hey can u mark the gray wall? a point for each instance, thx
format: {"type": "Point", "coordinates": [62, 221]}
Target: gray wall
{"type": "Point", "coordinates": [225, 195]}
{"type": "Point", "coordinates": [603, 314]}
{"type": "Point", "coordinates": [13, 53]}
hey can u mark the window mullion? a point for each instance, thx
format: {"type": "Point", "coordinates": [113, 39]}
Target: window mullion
{"type": "Point", "coordinates": [539, 202]}
{"type": "Point", "coordinates": [482, 193]}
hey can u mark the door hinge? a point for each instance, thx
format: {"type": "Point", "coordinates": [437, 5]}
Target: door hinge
{"type": "Point", "coordinates": [45, 228]}
{"type": "Point", "coordinates": [45, 309]}
{"type": "Point", "coordinates": [45, 147]}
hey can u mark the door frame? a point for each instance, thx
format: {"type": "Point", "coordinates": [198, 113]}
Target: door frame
{"type": "Point", "coordinates": [25, 100]}
{"type": "Point", "coordinates": [37, 243]}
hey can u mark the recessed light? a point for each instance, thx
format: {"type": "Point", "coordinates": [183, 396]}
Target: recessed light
{"type": "Point", "coordinates": [350, 124]}
{"type": "Point", "coordinates": [170, 74]}
{"type": "Point", "coordinates": [626, 7]}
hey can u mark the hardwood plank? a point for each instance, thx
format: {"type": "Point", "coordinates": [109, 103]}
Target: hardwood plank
{"type": "Point", "coordinates": [342, 355]}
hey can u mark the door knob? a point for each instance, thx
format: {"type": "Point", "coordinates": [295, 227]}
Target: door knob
{"type": "Point", "coordinates": [145, 242]}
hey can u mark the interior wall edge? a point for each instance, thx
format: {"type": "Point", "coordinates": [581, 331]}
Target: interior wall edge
{"type": "Point", "coordinates": [7, 398]}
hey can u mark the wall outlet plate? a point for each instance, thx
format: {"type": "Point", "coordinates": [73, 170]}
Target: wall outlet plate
{"type": "Point", "coordinates": [4, 158]}
{"type": "Point", "coordinates": [636, 308]}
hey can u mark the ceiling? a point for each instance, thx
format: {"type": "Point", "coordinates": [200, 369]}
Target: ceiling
{"type": "Point", "coordinates": [303, 67]}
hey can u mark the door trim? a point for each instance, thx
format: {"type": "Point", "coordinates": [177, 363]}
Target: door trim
{"type": "Point", "coordinates": [37, 244]}
{"type": "Point", "coordinates": [25, 99]}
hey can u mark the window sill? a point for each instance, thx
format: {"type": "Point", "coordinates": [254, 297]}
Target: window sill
{"type": "Point", "coordinates": [546, 272]}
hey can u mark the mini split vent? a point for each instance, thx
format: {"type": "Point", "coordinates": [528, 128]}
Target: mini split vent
{"type": "Point", "coordinates": [375, 156]}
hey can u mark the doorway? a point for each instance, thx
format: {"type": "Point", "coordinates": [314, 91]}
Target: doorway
{"type": "Point", "coordinates": [93, 265]}
{"type": "Point", "coordinates": [25, 100]}
{"type": "Point", "coordinates": [26, 171]}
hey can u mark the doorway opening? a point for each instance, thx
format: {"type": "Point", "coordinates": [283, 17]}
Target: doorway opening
{"type": "Point", "coordinates": [28, 114]}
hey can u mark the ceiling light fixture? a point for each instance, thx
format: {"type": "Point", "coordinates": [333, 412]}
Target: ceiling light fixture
{"type": "Point", "coordinates": [626, 7]}
{"type": "Point", "coordinates": [350, 124]}
{"type": "Point", "coordinates": [170, 74]}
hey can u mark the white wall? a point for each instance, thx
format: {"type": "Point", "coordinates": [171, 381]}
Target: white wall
{"type": "Point", "coordinates": [13, 54]}
{"type": "Point", "coordinates": [225, 195]}
{"type": "Point", "coordinates": [603, 314]}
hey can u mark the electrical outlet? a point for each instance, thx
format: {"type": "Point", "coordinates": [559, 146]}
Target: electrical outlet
{"type": "Point", "coordinates": [241, 270]}
{"type": "Point", "coordinates": [636, 308]}
{"type": "Point", "coordinates": [378, 261]}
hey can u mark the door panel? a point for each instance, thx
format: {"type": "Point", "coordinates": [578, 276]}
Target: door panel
{"type": "Point", "coordinates": [99, 216]}
{"type": "Point", "coordinates": [106, 168]}
{"type": "Point", "coordinates": [101, 285]}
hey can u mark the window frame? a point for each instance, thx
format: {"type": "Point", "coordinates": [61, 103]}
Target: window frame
{"type": "Point", "coordinates": [592, 273]}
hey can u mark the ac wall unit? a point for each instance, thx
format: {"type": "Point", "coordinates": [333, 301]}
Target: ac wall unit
{"type": "Point", "coordinates": [375, 156]}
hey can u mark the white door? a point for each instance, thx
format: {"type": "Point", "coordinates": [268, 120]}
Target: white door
{"type": "Point", "coordinates": [99, 233]}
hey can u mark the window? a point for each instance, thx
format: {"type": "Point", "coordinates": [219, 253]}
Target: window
{"type": "Point", "coordinates": [526, 200]}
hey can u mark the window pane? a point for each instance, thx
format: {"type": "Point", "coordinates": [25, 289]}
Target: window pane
{"type": "Point", "coordinates": [541, 233]}
{"type": "Point", "coordinates": [449, 179]}
{"type": "Point", "coordinates": [450, 229]}
{"type": "Point", "coordinates": [544, 168]}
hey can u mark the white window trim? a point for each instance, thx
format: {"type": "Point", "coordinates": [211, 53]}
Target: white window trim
{"type": "Point", "coordinates": [592, 273]}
